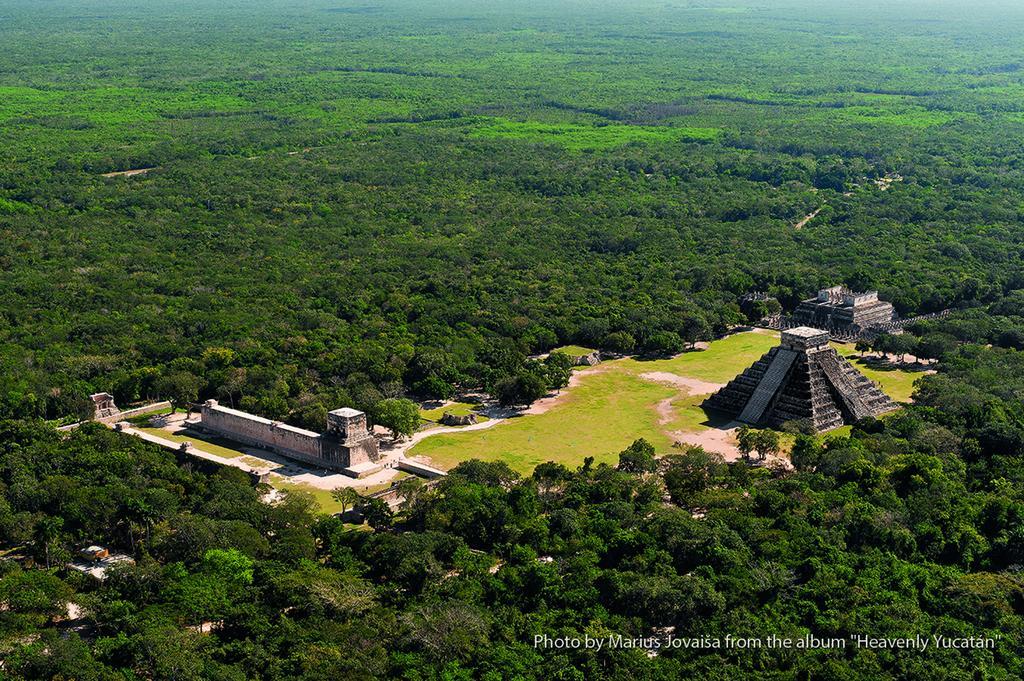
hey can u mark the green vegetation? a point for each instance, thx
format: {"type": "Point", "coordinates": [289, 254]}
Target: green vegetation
{"type": "Point", "coordinates": [456, 408]}
{"type": "Point", "coordinates": [722, 360]}
{"type": "Point", "coordinates": [897, 382]}
{"type": "Point", "coordinates": [599, 417]}
{"type": "Point", "coordinates": [589, 138]}
{"type": "Point", "coordinates": [613, 405]}
{"type": "Point", "coordinates": [907, 526]}
{"type": "Point", "coordinates": [349, 203]}
{"type": "Point", "coordinates": [210, 445]}
{"type": "Point", "coordinates": [354, 202]}
{"type": "Point", "coordinates": [573, 351]}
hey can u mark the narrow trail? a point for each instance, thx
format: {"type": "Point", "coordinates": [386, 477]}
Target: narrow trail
{"type": "Point", "coordinates": [808, 218]}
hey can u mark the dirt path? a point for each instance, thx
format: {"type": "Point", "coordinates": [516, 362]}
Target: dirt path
{"type": "Point", "coordinates": [399, 449]}
{"type": "Point", "coordinates": [721, 441]}
{"type": "Point", "coordinates": [692, 386]}
{"type": "Point", "coordinates": [718, 440]}
{"type": "Point", "coordinates": [808, 218]}
{"type": "Point", "coordinates": [129, 173]}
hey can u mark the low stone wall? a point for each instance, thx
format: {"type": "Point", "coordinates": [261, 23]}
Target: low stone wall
{"type": "Point", "coordinates": [137, 411]}
{"type": "Point", "coordinates": [420, 469]}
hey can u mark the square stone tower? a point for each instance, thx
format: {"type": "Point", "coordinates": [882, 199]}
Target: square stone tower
{"type": "Point", "coordinates": [348, 440]}
{"type": "Point", "coordinates": [347, 424]}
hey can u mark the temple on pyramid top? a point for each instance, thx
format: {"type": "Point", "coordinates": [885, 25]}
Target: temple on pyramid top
{"type": "Point", "coordinates": [802, 378]}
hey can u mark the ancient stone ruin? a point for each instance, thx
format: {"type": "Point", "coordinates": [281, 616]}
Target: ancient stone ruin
{"type": "Point", "coordinates": [803, 378]}
{"type": "Point", "coordinates": [839, 307]}
{"type": "Point", "coordinates": [346, 446]}
{"type": "Point", "coordinates": [450, 419]}
{"type": "Point", "coordinates": [103, 406]}
{"type": "Point", "coordinates": [589, 360]}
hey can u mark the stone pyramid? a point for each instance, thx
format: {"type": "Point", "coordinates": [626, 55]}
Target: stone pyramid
{"type": "Point", "coordinates": [801, 378]}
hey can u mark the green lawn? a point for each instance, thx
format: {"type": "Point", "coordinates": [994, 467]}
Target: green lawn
{"type": "Point", "coordinates": [143, 419]}
{"type": "Point", "coordinates": [599, 418]}
{"type": "Point", "coordinates": [896, 383]}
{"type": "Point", "coordinates": [721, 361]}
{"type": "Point", "coordinates": [457, 408]}
{"type": "Point", "coordinates": [574, 350]}
{"type": "Point", "coordinates": [202, 443]}
{"type": "Point", "coordinates": [613, 405]}
{"type": "Point", "coordinates": [323, 497]}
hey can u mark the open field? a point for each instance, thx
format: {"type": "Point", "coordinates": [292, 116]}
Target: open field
{"type": "Point", "coordinates": [618, 402]}
{"type": "Point", "coordinates": [216, 446]}
{"type": "Point", "coordinates": [456, 408]}
{"type": "Point", "coordinates": [322, 497]}
{"type": "Point", "coordinates": [897, 383]}
{"type": "Point", "coordinates": [574, 350]}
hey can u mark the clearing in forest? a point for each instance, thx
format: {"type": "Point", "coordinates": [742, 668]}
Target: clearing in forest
{"type": "Point", "coordinates": [613, 404]}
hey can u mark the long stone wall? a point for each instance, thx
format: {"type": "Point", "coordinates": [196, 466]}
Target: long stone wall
{"type": "Point", "coordinates": [260, 432]}
{"type": "Point", "coordinates": [347, 446]}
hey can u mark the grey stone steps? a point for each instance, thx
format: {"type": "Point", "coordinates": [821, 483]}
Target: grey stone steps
{"type": "Point", "coordinates": [769, 385]}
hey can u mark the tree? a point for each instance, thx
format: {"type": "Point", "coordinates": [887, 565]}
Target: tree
{"type": "Point", "coordinates": [693, 471]}
{"type": "Point", "coordinates": [806, 453]}
{"type": "Point", "coordinates": [664, 343]}
{"type": "Point", "coordinates": [399, 415]}
{"type": "Point", "coordinates": [410, 490]}
{"type": "Point", "coordinates": [377, 513]}
{"type": "Point", "coordinates": [1011, 338]}
{"type": "Point", "coordinates": [766, 442]}
{"type": "Point", "coordinates": [434, 387]}
{"type": "Point", "coordinates": [935, 346]}
{"type": "Point", "coordinates": [695, 328]}
{"type": "Point", "coordinates": [746, 440]}
{"type": "Point", "coordinates": [903, 345]}
{"type": "Point", "coordinates": [558, 368]}
{"type": "Point", "coordinates": [47, 531]}
{"type": "Point", "coordinates": [638, 458]}
{"type": "Point", "coordinates": [766, 307]}
{"type": "Point", "coordinates": [522, 389]}
{"type": "Point", "coordinates": [619, 342]}
{"type": "Point", "coordinates": [348, 497]}
{"type": "Point", "coordinates": [230, 565]}
{"type": "Point", "coordinates": [34, 591]}
{"type": "Point", "coordinates": [181, 388]}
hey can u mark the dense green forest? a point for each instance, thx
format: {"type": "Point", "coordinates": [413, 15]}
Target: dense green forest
{"type": "Point", "coordinates": [347, 202]}
{"type": "Point", "coordinates": [335, 202]}
{"type": "Point", "coordinates": [910, 526]}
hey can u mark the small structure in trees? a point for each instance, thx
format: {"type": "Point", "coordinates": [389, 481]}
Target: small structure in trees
{"type": "Point", "coordinates": [588, 360]}
{"type": "Point", "coordinates": [103, 406]}
{"type": "Point", "coordinates": [450, 419]}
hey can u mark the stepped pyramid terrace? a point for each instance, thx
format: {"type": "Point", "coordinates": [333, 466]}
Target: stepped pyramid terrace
{"type": "Point", "coordinates": [801, 378]}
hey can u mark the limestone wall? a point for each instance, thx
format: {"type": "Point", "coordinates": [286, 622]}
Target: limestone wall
{"type": "Point", "coordinates": [346, 444]}
{"type": "Point", "coordinates": [256, 430]}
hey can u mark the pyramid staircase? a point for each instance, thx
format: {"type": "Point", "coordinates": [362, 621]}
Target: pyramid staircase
{"type": "Point", "coordinates": [802, 378]}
